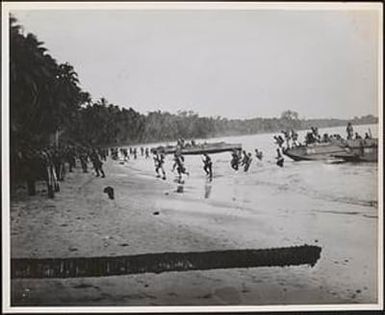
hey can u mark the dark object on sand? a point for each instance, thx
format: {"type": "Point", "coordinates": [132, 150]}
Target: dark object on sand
{"type": "Point", "coordinates": [179, 189]}
{"type": "Point", "coordinates": [163, 262]}
{"type": "Point", "coordinates": [109, 191]}
{"type": "Point", "coordinates": [156, 213]}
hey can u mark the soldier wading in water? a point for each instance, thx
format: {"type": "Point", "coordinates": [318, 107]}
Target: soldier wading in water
{"type": "Point", "coordinates": [159, 161]}
{"type": "Point", "coordinates": [178, 164]}
{"type": "Point", "coordinates": [235, 160]}
{"type": "Point", "coordinates": [208, 166]}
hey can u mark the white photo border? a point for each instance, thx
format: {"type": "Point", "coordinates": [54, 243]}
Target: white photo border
{"type": "Point", "coordinates": [7, 7]}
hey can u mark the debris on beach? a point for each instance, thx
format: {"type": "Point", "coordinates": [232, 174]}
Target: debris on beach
{"type": "Point", "coordinates": [179, 189]}
{"type": "Point", "coordinates": [109, 191]}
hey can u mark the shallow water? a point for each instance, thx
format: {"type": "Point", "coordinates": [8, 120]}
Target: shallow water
{"type": "Point", "coordinates": [307, 185]}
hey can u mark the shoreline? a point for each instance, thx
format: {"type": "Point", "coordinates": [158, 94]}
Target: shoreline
{"type": "Point", "coordinates": [138, 144]}
{"type": "Point", "coordinates": [82, 222]}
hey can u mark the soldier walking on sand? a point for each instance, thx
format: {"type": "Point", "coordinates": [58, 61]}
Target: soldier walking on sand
{"type": "Point", "coordinates": [97, 163]}
{"type": "Point", "coordinates": [71, 158]}
{"type": "Point", "coordinates": [83, 156]}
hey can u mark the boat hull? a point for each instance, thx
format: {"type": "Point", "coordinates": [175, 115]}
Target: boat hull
{"type": "Point", "coordinates": [357, 150]}
{"type": "Point", "coordinates": [210, 148]}
{"type": "Point", "coordinates": [362, 150]}
{"type": "Point", "coordinates": [322, 151]}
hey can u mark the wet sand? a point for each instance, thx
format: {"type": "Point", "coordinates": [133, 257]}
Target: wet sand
{"type": "Point", "coordinates": [82, 222]}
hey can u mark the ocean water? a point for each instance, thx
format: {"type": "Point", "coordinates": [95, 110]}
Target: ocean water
{"type": "Point", "coordinates": [307, 184]}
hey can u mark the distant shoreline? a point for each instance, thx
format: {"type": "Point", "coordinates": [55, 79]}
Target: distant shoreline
{"type": "Point", "coordinates": [237, 134]}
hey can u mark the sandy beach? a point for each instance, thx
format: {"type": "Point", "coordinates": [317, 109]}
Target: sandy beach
{"type": "Point", "coordinates": [82, 222]}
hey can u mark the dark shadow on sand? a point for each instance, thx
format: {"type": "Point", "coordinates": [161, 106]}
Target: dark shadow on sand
{"type": "Point", "coordinates": [162, 262]}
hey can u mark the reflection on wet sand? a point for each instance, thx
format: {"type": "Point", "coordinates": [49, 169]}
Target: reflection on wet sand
{"type": "Point", "coordinates": [207, 191]}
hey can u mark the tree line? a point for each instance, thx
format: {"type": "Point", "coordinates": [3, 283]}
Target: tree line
{"type": "Point", "coordinates": [46, 100]}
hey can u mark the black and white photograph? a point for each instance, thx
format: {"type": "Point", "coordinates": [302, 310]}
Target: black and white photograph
{"type": "Point", "coordinates": [190, 156]}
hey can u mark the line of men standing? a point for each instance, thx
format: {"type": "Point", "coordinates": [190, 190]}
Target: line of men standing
{"type": "Point", "coordinates": [51, 164]}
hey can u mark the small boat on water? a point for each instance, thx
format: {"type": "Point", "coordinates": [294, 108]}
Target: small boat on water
{"type": "Point", "coordinates": [360, 150]}
{"type": "Point", "coordinates": [201, 148]}
{"type": "Point", "coordinates": [357, 150]}
{"type": "Point", "coordinates": [315, 151]}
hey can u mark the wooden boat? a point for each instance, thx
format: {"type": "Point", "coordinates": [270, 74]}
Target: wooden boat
{"type": "Point", "coordinates": [201, 148]}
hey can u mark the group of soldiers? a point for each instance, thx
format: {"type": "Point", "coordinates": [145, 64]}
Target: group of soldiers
{"type": "Point", "coordinates": [350, 132]}
{"type": "Point", "coordinates": [314, 137]}
{"type": "Point", "coordinates": [290, 137]}
{"type": "Point", "coordinates": [243, 159]}
{"type": "Point", "coordinates": [311, 137]}
{"type": "Point", "coordinates": [239, 159]}
{"type": "Point", "coordinates": [178, 165]}
{"type": "Point", "coordinates": [51, 164]}
{"type": "Point", "coordinates": [127, 153]}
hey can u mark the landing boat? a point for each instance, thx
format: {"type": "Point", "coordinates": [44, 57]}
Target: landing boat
{"type": "Point", "coordinates": [315, 151]}
{"type": "Point", "coordinates": [357, 150]}
{"type": "Point", "coordinates": [202, 148]}
{"type": "Point", "coordinates": [361, 150]}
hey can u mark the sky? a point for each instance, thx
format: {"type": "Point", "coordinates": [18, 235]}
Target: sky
{"type": "Point", "coordinates": [229, 63]}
